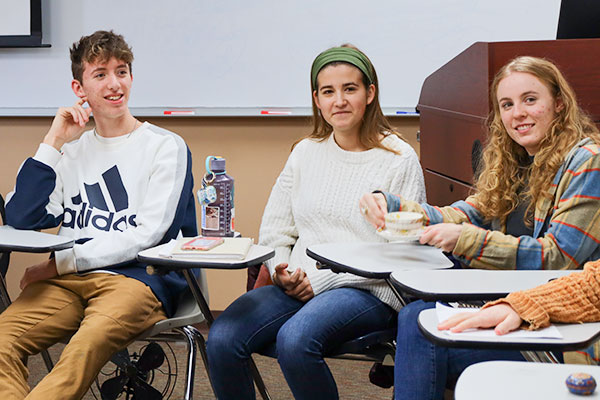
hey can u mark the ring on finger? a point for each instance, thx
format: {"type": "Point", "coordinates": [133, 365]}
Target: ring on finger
{"type": "Point", "coordinates": [364, 210]}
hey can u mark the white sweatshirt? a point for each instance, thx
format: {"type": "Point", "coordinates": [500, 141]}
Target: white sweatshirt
{"type": "Point", "coordinates": [315, 200]}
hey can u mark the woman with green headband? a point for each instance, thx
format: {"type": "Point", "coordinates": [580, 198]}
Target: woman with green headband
{"type": "Point", "coordinates": [352, 148]}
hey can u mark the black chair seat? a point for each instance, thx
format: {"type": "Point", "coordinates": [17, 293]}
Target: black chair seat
{"type": "Point", "coordinates": [374, 345]}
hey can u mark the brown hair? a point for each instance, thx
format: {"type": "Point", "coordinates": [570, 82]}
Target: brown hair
{"type": "Point", "coordinates": [503, 174]}
{"type": "Point", "coordinates": [99, 46]}
{"type": "Point", "coordinates": [374, 122]}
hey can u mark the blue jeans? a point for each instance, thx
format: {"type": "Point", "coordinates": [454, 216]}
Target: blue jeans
{"type": "Point", "coordinates": [303, 333]}
{"type": "Point", "coordinates": [423, 370]}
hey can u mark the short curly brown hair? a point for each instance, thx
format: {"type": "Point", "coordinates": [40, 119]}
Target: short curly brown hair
{"type": "Point", "coordinates": [99, 46]}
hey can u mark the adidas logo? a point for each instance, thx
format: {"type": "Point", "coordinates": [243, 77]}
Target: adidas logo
{"type": "Point", "coordinates": [96, 210]}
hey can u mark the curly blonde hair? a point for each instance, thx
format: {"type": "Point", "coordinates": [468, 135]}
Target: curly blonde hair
{"type": "Point", "coordinates": [506, 179]}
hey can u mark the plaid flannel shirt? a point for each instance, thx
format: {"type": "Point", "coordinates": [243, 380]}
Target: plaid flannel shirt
{"type": "Point", "coordinates": [566, 230]}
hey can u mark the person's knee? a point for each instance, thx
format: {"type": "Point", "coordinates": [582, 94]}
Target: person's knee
{"type": "Point", "coordinates": [223, 339]}
{"type": "Point", "coordinates": [295, 346]}
{"type": "Point", "coordinates": [408, 319]}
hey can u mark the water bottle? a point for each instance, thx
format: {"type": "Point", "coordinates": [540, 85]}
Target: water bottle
{"type": "Point", "coordinates": [216, 198]}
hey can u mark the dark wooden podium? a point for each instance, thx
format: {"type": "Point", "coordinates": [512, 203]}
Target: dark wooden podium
{"type": "Point", "coordinates": [454, 104]}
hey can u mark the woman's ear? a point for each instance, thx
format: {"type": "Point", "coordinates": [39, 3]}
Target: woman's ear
{"type": "Point", "coordinates": [371, 90]}
{"type": "Point", "coordinates": [316, 99]}
{"type": "Point", "coordinates": [77, 88]}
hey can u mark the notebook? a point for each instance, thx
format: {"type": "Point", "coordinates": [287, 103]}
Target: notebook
{"type": "Point", "coordinates": [233, 248]}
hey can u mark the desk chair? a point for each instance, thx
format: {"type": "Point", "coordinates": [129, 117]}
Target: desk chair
{"type": "Point", "coordinates": [177, 328]}
{"type": "Point", "coordinates": [130, 377]}
{"type": "Point", "coordinates": [4, 296]}
{"type": "Point", "coordinates": [575, 336]}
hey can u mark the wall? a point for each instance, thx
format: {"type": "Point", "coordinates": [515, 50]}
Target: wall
{"type": "Point", "coordinates": [230, 54]}
{"type": "Point", "coordinates": [255, 148]}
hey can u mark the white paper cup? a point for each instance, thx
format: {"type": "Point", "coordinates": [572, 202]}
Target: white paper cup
{"type": "Point", "coordinates": [403, 222]}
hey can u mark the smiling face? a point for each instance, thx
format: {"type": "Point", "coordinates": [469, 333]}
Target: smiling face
{"type": "Point", "coordinates": [527, 109]}
{"type": "Point", "coordinates": [107, 86]}
{"type": "Point", "coordinates": [342, 97]}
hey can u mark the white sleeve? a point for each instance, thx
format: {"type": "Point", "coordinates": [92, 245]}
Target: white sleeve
{"type": "Point", "coordinates": [277, 228]}
{"type": "Point", "coordinates": [154, 216]}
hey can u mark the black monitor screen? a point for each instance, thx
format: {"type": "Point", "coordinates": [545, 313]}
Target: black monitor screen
{"type": "Point", "coordinates": [579, 19]}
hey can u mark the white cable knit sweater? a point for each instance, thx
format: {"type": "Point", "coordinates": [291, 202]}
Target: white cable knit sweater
{"type": "Point", "coordinates": [315, 200]}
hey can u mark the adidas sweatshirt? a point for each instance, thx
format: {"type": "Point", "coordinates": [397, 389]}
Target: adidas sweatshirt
{"type": "Point", "coordinates": [315, 200]}
{"type": "Point", "coordinates": [115, 197]}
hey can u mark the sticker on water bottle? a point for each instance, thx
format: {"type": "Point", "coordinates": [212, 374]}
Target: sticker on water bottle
{"type": "Point", "coordinates": [207, 195]}
{"type": "Point", "coordinates": [210, 218]}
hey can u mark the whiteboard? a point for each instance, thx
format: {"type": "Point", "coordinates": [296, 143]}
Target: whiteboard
{"type": "Point", "coordinates": [14, 18]}
{"type": "Point", "coordinates": [238, 53]}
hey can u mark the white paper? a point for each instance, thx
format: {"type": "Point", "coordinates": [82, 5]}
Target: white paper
{"type": "Point", "coordinates": [167, 250]}
{"type": "Point", "coordinates": [444, 312]}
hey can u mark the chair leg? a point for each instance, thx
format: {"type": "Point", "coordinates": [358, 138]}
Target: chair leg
{"type": "Point", "coordinates": [191, 362]}
{"type": "Point", "coordinates": [199, 340]}
{"type": "Point", "coordinates": [201, 344]}
{"type": "Point", "coordinates": [260, 384]}
{"type": "Point", "coordinates": [47, 360]}
{"type": "Point", "coordinates": [262, 389]}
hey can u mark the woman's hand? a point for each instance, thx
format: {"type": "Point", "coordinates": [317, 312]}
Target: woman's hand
{"type": "Point", "coordinates": [68, 124]}
{"type": "Point", "coordinates": [39, 272]}
{"type": "Point", "coordinates": [501, 316]}
{"type": "Point", "coordinates": [295, 285]}
{"type": "Point", "coordinates": [443, 236]}
{"type": "Point", "coordinates": [374, 207]}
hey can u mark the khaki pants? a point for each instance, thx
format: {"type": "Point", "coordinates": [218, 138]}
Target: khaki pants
{"type": "Point", "coordinates": [103, 312]}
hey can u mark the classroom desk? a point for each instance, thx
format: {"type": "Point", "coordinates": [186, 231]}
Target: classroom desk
{"type": "Point", "coordinates": [574, 337]}
{"type": "Point", "coordinates": [256, 256]}
{"type": "Point", "coordinates": [469, 284]}
{"type": "Point", "coordinates": [26, 241]}
{"type": "Point", "coordinates": [507, 380]}
{"type": "Point", "coordinates": [377, 260]}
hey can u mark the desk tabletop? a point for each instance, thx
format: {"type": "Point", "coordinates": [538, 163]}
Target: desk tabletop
{"type": "Point", "coordinates": [256, 255]}
{"type": "Point", "coordinates": [469, 284]}
{"type": "Point", "coordinates": [377, 260]}
{"type": "Point", "coordinates": [574, 337]}
{"type": "Point", "coordinates": [505, 380]}
{"type": "Point", "coordinates": [26, 241]}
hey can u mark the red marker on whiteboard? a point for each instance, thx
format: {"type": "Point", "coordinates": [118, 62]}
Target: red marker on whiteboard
{"type": "Point", "coordinates": [275, 112]}
{"type": "Point", "coordinates": [179, 112]}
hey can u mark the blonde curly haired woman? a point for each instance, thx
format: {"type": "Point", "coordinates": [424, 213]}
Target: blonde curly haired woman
{"type": "Point", "coordinates": [536, 206]}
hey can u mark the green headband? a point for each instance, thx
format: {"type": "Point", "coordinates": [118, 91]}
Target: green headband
{"type": "Point", "coordinates": [344, 54]}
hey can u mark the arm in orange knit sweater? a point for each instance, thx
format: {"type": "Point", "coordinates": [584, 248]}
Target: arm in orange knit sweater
{"type": "Point", "coordinates": [573, 298]}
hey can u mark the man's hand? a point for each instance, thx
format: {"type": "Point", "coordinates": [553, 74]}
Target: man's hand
{"type": "Point", "coordinates": [39, 272]}
{"type": "Point", "coordinates": [502, 316]}
{"type": "Point", "coordinates": [374, 207]}
{"type": "Point", "coordinates": [295, 285]}
{"type": "Point", "coordinates": [68, 124]}
{"type": "Point", "coordinates": [443, 236]}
